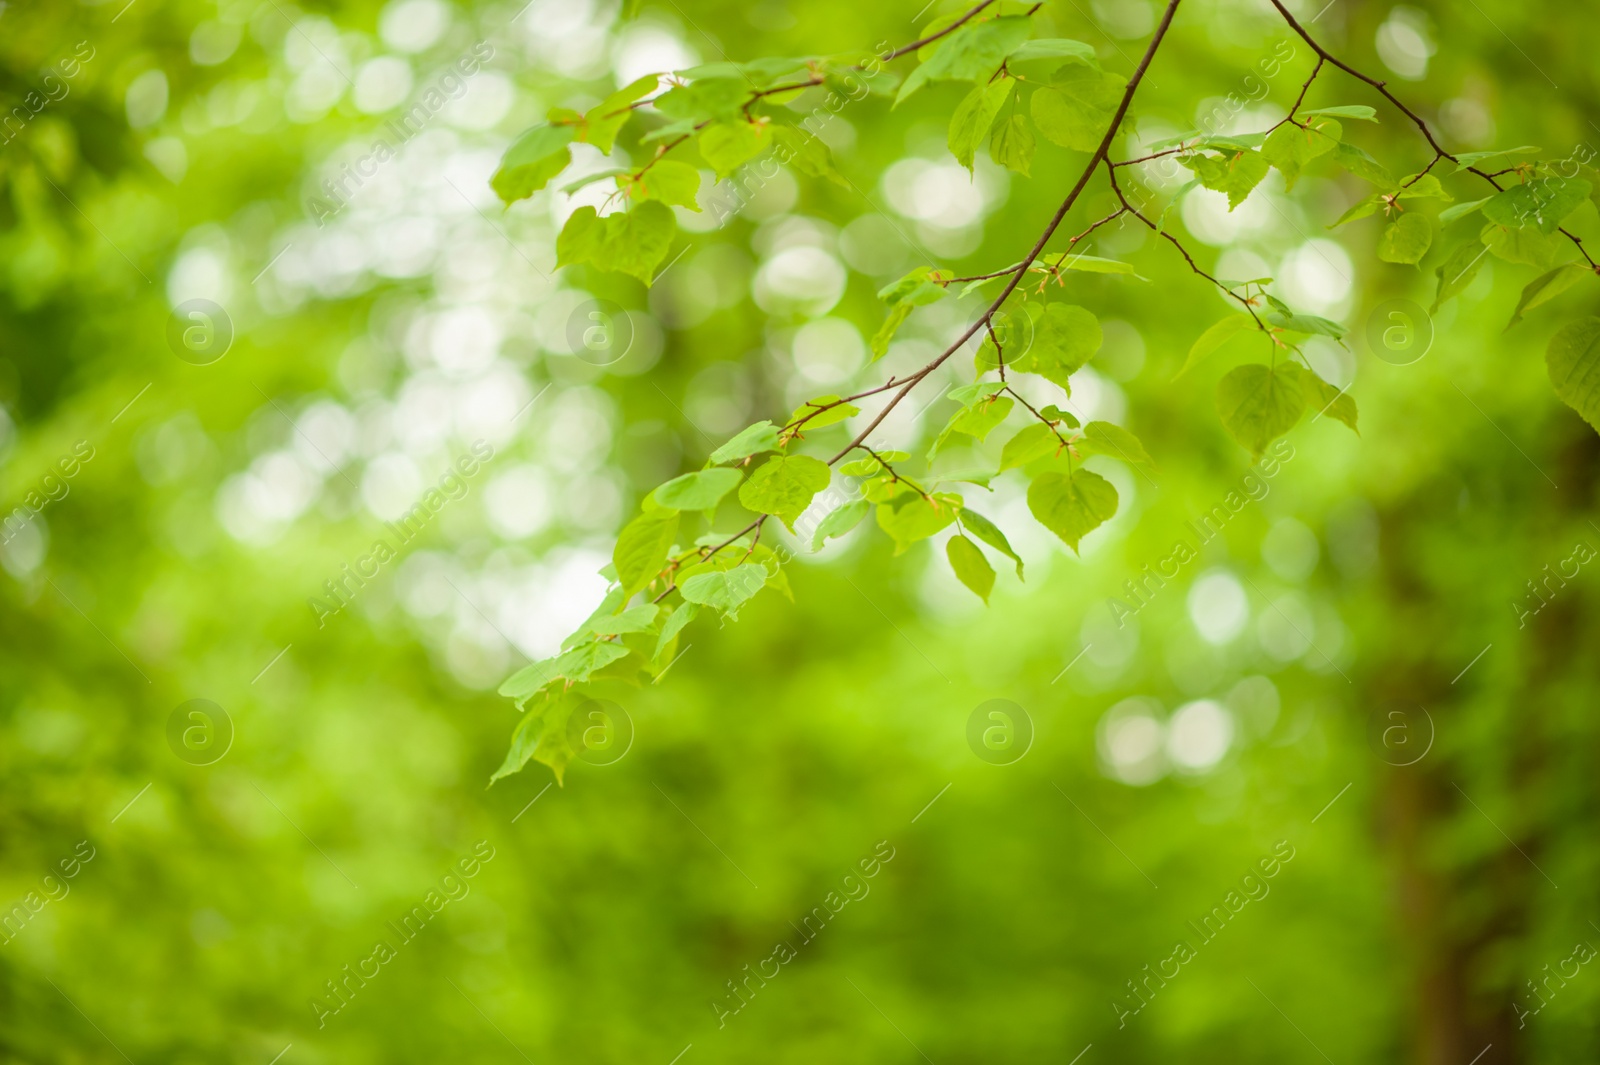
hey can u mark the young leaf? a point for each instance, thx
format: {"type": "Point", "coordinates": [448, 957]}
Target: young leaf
{"type": "Point", "coordinates": [642, 548]}
{"type": "Point", "coordinates": [666, 180]}
{"type": "Point", "coordinates": [641, 618]}
{"type": "Point", "coordinates": [822, 411]}
{"type": "Point", "coordinates": [981, 416]}
{"type": "Point", "coordinates": [701, 490]}
{"type": "Point", "coordinates": [1460, 210]}
{"type": "Point", "coordinates": [1213, 338]}
{"type": "Point", "coordinates": [1089, 264]}
{"type": "Point", "coordinates": [601, 123]}
{"type": "Point", "coordinates": [752, 440]}
{"type": "Point", "coordinates": [1065, 337]}
{"type": "Point", "coordinates": [1258, 404]}
{"type": "Point", "coordinates": [1364, 166]}
{"type": "Point", "coordinates": [726, 146]}
{"type": "Point", "coordinates": [1324, 398]}
{"type": "Point", "coordinates": [1365, 207]}
{"type": "Point", "coordinates": [970, 123]}
{"type": "Point", "coordinates": [1012, 145]}
{"type": "Point", "coordinates": [1113, 441]}
{"type": "Point", "coordinates": [1543, 203]}
{"type": "Point", "coordinates": [1458, 271]}
{"type": "Point", "coordinates": [1528, 246]}
{"type": "Point", "coordinates": [989, 533]}
{"type": "Point", "coordinates": [672, 626]}
{"type": "Point", "coordinates": [1573, 362]}
{"type": "Point", "coordinates": [1033, 441]}
{"type": "Point", "coordinates": [971, 53]}
{"type": "Point", "coordinates": [1547, 287]}
{"type": "Point", "coordinates": [1075, 109]}
{"type": "Point", "coordinates": [870, 465]}
{"type": "Point", "coordinates": [1406, 239]}
{"type": "Point", "coordinates": [913, 516]}
{"type": "Point", "coordinates": [1053, 48]}
{"type": "Point", "coordinates": [1310, 324]}
{"type": "Point", "coordinates": [1290, 148]}
{"type": "Point", "coordinates": [726, 590]}
{"type": "Point", "coordinates": [1357, 111]}
{"type": "Point", "coordinates": [1072, 505]}
{"type": "Point", "coordinates": [973, 570]}
{"type": "Point", "coordinates": [917, 289]}
{"type": "Point", "coordinates": [1235, 173]}
{"type": "Point", "coordinates": [784, 485]}
{"type": "Point", "coordinates": [1423, 187]}
{"type": "Point", "coordinates": [633, 243]}
{"type": "Point", "coordinates": [1470, 159]}
{"type": "Point", "coordinates": [532, 160]}
{"type": "Point", "coordinates": [839, 521]}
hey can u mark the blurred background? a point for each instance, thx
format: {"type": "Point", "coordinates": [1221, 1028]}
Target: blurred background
{"type": "Point", "coordinates": [1355, 673]}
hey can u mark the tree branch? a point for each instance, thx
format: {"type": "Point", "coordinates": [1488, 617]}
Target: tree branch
{"type": "Point", "coordinates": [930, 38]}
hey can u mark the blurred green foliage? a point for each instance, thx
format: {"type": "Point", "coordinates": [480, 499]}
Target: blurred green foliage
{"type": "Point", "coordinates": [1363, 578]}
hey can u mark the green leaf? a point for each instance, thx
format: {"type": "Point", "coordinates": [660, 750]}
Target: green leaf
{"type": "Point", "coordinates": [1258, 404]}
{"type": "Point", "coordinates": [1543, 203]}
{"type": "Point", "coordinates": [981, 416]}
{"type": "Point", "coordinates": [1469, 159]}
{"type": "Point", "coordinates": [971, 568]}
{"type": "Point", "coordinates": [642, 549]}
{"type": "Point", "coordinates": [1065, 338]}
{"type": "Point", "coordinates": [1406, 239]}
{"type": "Point", "coordinates": [574, 667]}
{"type": "Point", "coordinates": [1089, 264]}
{"type": "Point", "coordinates": [1113, 441]}
{"type": "Point", "coordinates": [839, 521]}
{"type": "Point", "coordinates": [641, 618]}
{"type": "Point", "coordinates": [973, 116]}
{"type": "Point", "coordinates": [831, 409]}
{"type": "Point", "coordinates": [912, 517]}
{"type": "Point", "coordinates": [806, 152]}
{"type": "Point", "coordinates": [1458, 271]}
{"type": "Point", "coordinates": [870, 465]}
{"type": "Point", "coordinates": [1356, 111]}
{"type": "Point", "coordinates": [1423, 187]}
{"type": "Point", "coordinates": [726, 590]}
{"type": "Point", "coordinates": [990, 533]}
{"type": "Point", "coordinates": [971, 53]}
{"type": "Point", "coordinates": [1573, 361]}
{"type": "Point", "coordinates": [784, 485]}
{"type": "Point", "coordinates": [1075, 109]}
{"type": "Point", "coordinates": [1292, 149]}
{"type": "Point", "coordinates": [1310, 324]}
{"type": "Point", "coordinates": [1012, 145]}
{"type": "Point", "coordinates": [666, 180]}
{"type": "Point", "coordinates": [726, 146]}
{"type": "Point", "coordinates": [917, 289]}
{"type": "Point", "coordinates": [601, 123]}
{"type": "Point", "coordinates": [1547, 287]}
{"type": "Point", "coordinates": [1071, 505]}
{"type": "Point", "coordinates": [672, 626]}
{"type": "Point", "coordinates": [1324, 398]}
{"type": "Point", "coordinates": [705, 99]}
{"type": "Point", "coordinates": [632, 243]}
{"type": "Point", "coordinates": [1460, 210]}
{"type": "Point", "coordinates": [752, 440]}
{"type": "Point", "coordinates": [1053, 48]}
{"type": "Point", "coordinates": [532, 160]}
{"type": "Point", "coordinates": [1033, 441]}
{"type": "Point", "coordinates": [701, 490]}
{"type": "Point", "coordinates": [1235, 174]}
{"type": "Point", "coordinates": [1213, 338]}
{"type": "Point", "coordinates": [1527, 246]}
{"type": "Point", "coordinates": [1362, 208]}
{"type": "Point", "coordinates": [1364, 166]}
